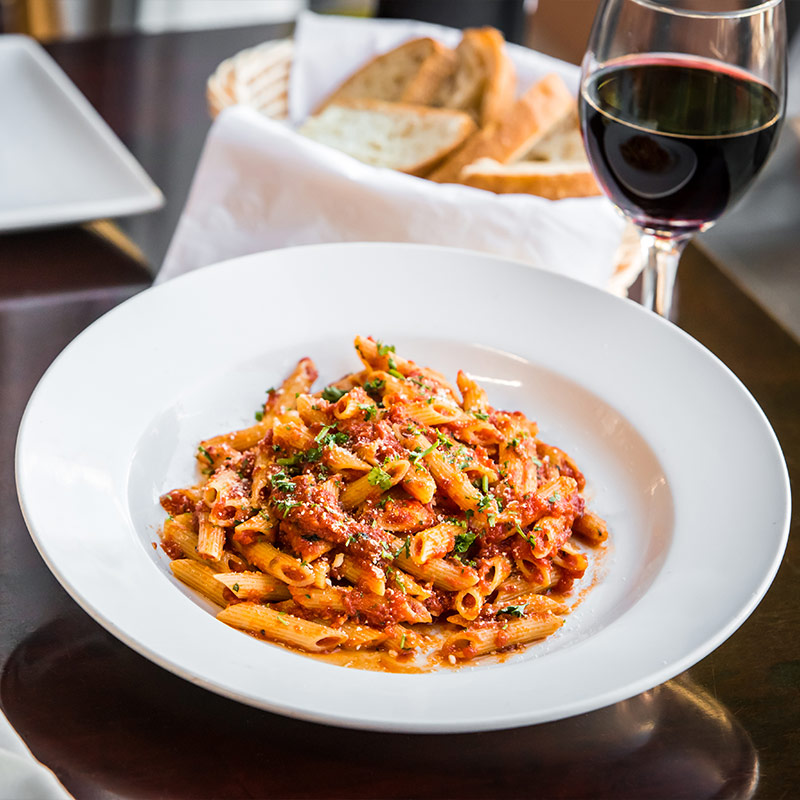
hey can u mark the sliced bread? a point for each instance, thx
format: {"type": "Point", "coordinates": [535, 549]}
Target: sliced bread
{"type": "Point", "coordinates": [554, 180]}
{"type": "Point", "coordinates": [547, 104]}
{"type": "Point", "coordinates": [409, 72]}
{"type": "Point", "coordinates": [483, 80]}
{"type": "Point", "coordinates": [409, 138]}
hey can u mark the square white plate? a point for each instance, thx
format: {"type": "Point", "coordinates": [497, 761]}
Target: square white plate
{"type": "Point", "coordinates": [59, 161]}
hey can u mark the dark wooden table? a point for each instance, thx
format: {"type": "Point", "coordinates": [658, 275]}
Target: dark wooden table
{"type": "Point", "coordinates": [112, 724]}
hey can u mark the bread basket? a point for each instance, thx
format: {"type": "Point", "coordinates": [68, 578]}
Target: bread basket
{"type": "Point", "coordinates": [258, 77]}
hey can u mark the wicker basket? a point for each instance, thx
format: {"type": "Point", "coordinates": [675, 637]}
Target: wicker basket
{"type": "Point", "coordinates": [259, 77]}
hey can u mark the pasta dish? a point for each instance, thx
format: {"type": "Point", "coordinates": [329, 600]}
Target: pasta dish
{"type": "Point", "coordinates": [388, 517]}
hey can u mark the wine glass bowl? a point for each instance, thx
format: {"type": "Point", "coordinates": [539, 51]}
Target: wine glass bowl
{"type": "Point", "coordinates": [680, 104]}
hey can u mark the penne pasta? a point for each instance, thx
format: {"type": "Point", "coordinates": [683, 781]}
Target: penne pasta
{"type": "Point", "coordinates": [352, 518]}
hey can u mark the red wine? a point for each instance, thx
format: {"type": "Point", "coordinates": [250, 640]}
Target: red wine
{"type": "Point", "coordinates": [674, 141]}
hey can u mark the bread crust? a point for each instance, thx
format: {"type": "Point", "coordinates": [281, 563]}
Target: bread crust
{"type": "Point", "coordinates": [501, 77]}
{"type": "Point", "coordinates": [558, 181]}
{"type": "Point", "coordinates": [416, 51]}
{"type": "Point", "coordinates": [433, 71]}
{"type": "Point", "coordinates": [532, 116]}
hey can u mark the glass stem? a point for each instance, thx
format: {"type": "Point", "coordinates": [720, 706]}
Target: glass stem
{"type": "Point", "coordinates": [660, 256]}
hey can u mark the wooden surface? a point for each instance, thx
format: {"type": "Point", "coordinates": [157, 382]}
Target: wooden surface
{"type": "Point", "coordinates": [111, 724]}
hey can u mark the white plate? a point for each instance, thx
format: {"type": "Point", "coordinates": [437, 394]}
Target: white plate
{"type": "Point", "coordinates": [59, 161]}
{"type": "Point", "coordinates": [678, 456]}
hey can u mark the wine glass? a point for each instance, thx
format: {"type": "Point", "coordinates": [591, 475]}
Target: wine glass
{"type": "Point", "coordinates": [681, 102]}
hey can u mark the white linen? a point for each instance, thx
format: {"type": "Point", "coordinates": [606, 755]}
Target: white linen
{"type": "Point", "coordinates": [22, 777]}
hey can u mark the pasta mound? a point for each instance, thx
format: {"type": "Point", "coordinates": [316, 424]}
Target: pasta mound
{"type": "Point", "coordinates": [388, 505]}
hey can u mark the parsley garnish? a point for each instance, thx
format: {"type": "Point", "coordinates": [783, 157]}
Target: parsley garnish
{"type": "Point", "coordinates": [332, 394]}
{"type": "Point", "coordinates": [383, 349]}
{"type": "Point", "coordinates": [418, 456]}
{"type": "Point", "coordinates": [514, 611]}
{"type": "Point", "coordinates": [480, 415]}
{"type": "Point", "coordinates": [379, 477]}
{"type": "Point", "coordinates": [405, 546]}
{"type": "Point", "coordinates": [370, 411]}
{"type": "Point", "coordinates": [206, 455]}
{"type": "Point", "coordinates": [290, 461]}
{"type": "Point", "coordinates": [554, 497]}
{"type": "Point", "coordinates": [285, 505]}
{"type": "Point", "coordinates": [463, 542]}
{"type": "Point", "coordinates": [282, 483]}
{"type": "Point", "coordinates": [374, 387]}
{"type": "Point", "coordinates": [323, 432]}
{"type": "Point", "coordinates": [484, 502]}
{"type": "Point", "coordinates": [235, 587]}
{"type": "Point", "coordinates": [259, 415]}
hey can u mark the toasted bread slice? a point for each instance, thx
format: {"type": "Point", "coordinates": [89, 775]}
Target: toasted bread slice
{"type": "Point", "coordinates": [483, 80]}
{"type": "Point", "coordinates": [547, 104]}
{"type": "Point", "coordinates": [408, 71]}
{"type": "Point", "coordinates": [409, 138]}
{"type": "Point", "coordinates": [554, 180]}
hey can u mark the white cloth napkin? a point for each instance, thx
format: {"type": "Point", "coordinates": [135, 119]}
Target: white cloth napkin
{"type": "Point", "coordinates": [22, 777]}
{"type": "Point", "coordinates": [260, 186]}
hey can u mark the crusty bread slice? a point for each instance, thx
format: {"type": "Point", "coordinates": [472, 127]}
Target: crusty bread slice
{"type": "Point", "coordinates": [543, 107]}
{"type": "Point", "coordinates": [483, 80]}
{"type": "Point", "coordinates": [432, 72]}
{"type": "Point", "coordinates": [501, 77]}
{"type": "Point", "coordinates": [409, 138]}
{"type": "Point", "coordinates": [563, 143]}
{"type": "Point", "coordinates": [554, 180]}
{"type": "Point", "coordinates": [410, 71]}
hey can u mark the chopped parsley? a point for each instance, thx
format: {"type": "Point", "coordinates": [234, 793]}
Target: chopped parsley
{"type": "Point", "coordinates": [290, 461]}
{"type": "Point", "coordinates": [383, 349]}
{"type": "Point", "coordinates": [323, 433]}
{"type": "Point", "coordinates": [514, 611]}
{"type": "Point", "coordinates": [206, 455]}
{"type": "Point", "coordinates": [284, 506]}
{"type": "Point", "coordinates": [485, 502]}
{"type": "Point", "coordinates": [282, 483]}
{"type": "Point", "coordinates": [332, 394]}
{"type": "Point", "coordinates": [259, 415]}
{"type": "Point", "coordinates": [463, 542]}
{"type": "Point", "coordinates": [416, 457]}
{"type": "Point", "coordinates": [482, 415]}
{"type": "Point", "coordinates": [406, 546]}
{"type": "Point", "coordinates": [374, 387]}
{"type": "Point", "coordinates": [370, 411]}
{"type": "Point", "coordinates": [379, 477]}
{"type": "Point", "coordinates": [235, 587]}
{"type": "Point", "coordinates": [554, 497]}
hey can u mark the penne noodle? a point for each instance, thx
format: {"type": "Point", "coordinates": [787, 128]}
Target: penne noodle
{"type": "Point", "coordinates": [435, 542]}
{"type": "Point", "coordinates": [472, 642]}
{"type": "Point", "coordinates": [255, 586]}
{"type": "Point", "coordinates": [590, 527]}
{"type": "Point", "coordinates": [283, 566]}
{"type": "Point", "coordinates": [468, 603]}
{"type": "Point", "coordinates": [282, 627]}
{"type": "Point", "coordinates": [200, 578]}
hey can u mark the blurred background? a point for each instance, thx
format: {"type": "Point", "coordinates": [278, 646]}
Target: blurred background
{"type": "Point", "coordinates": [757, 243]}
